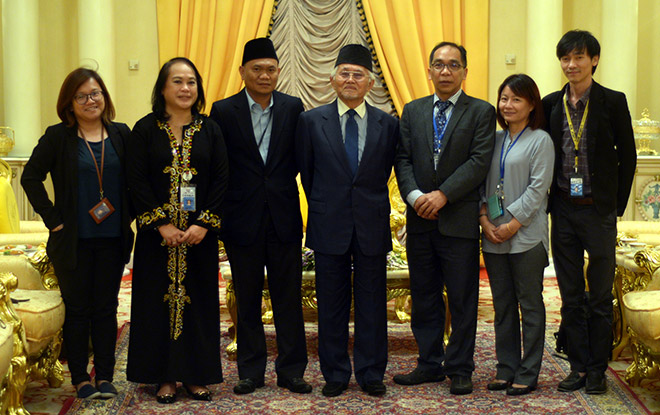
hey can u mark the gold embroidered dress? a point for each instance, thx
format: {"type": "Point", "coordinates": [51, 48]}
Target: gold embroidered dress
{"type": "Point", "coordinates": [175, 320]}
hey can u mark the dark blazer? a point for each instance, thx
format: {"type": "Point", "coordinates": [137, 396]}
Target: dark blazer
{"type": "Point", "coordinates": [57, 154]}
{"type": "Point", "coordinates": [253, 185]}
{"type": "Point", "coordinates": [339, 202]}
{"type": "Point", "coordinates": [610, 146]}
{"type": "Point", "coordinates": [464, 163]}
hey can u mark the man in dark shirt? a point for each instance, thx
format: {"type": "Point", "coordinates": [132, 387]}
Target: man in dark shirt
{"type": "Point", "coordinates": [594, 167]}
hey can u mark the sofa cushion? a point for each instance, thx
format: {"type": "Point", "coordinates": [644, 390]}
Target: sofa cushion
{"type": "Point", "coordinates": [42, 316]}
{"type": "Point", "coordinates": [642, 311]}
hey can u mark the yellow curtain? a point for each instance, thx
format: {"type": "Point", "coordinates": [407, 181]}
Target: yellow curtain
{"type": "Point", "coordinates": [405, 31]}
{"type": "Point", "coordinates": [211, 33]}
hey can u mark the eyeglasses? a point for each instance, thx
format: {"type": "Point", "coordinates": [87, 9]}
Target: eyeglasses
{"type": "Point", "coordinates": [346, 75]}
{"type": "Point", "coordinates": [95, 96]}
{"type": "Point", "coordinates": [452, 66]}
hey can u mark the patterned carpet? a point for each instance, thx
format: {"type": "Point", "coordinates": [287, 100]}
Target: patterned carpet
{"type": "Point", "coordinates": [429, 398]}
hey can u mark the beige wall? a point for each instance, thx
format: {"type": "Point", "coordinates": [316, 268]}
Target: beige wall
{"type": "Point", "coordinates": [508, 35]}
{"type": "Point", "coordinates": [136, 37]}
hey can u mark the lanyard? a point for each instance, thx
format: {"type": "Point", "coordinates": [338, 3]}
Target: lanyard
{"type": "Point", "coordinates": [263, 133]}
{"type": "Point", "coordinates": [99, 173]}
{"type": "Point", "coordinates": [578, 137]}
{"type": "Point", "coordinates": [440, 135]}
{"type": "Point", "coordinates": [503, 155]}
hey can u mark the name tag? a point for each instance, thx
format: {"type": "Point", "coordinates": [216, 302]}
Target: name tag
{"type": "Point", "coordinates": [576, 185]}
{"type": "Point", "coordinates": [495, 209]}
{"type": "Point", "coordinates": [188, 198]}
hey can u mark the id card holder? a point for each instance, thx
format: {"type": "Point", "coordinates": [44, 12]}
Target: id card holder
{"type": "Point", "coordinates": [495, 209]}
{"type": "Point", "coordinates": [436, 161]}
{"type": "Point", "coordinates": [101, 210]}
{"type": "Point", "coordinates": [188, 198]}
{"type": "Point", "coordinates": [576, 184]}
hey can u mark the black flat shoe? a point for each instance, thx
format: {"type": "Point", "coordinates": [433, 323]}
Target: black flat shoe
{"type": "Point", "coordinates": [460, 385]}
{"type": "Point", "coordinates": [572, 382]}
{"type": "Point", "coordinates": [200, 395]}
{"type": "Point", "coordinates": [514, 391]}
{"type": "Point", "coordinates": [498, 386]}
{"type": "Point", "coordinates": [419, 376]}
{"type": "Point", "coordinates": [295, 385]}
{"type": "Point", "coordinates": [165, 398]}
{"type": "Point", "coordinates": [375, 388]}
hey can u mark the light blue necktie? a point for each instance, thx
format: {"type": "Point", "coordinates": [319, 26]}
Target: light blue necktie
{"type": "Point", "coordinates": [351, 141]}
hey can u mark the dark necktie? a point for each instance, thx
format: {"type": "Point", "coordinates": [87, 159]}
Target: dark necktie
{"type": "Point", "coordinates": [440, 122]}
{"type": "Point", "coordinates": [351, 141]}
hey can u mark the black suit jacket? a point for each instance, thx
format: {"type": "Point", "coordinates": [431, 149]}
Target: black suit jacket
{"type": "Point", "coordinates": [338, 201]}
{"type": "Point", "coordinates": [610, 146]}
{"type": "Point", "coordinates": [464, 163]}
{"type": "Point", "coordinates": [57, 154]}
{"type": "Point", "coordinates": [253, 185]}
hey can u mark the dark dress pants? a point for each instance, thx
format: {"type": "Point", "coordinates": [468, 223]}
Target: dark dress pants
{"type": "Point", "coordinates": [90, 295]}
{"type": "Point", "coordinates": [334, 290]}
{"type": "Point", "coordinates": [283, 262]}
{"type": "Point", "coordinates": [436, 261]}
{"type": "Point", "coordinates": [517, 280]}
{"type": "Point", "coordinates": [587, 321]}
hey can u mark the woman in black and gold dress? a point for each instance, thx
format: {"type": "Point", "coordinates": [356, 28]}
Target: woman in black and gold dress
{"type": "Point", "coordinates": [177, 174]}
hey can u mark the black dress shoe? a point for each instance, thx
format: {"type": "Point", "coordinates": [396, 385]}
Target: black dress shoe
{"type": "Point", "coordinates": [375, 388]}
{"type": "Point", "coordinates": [247, 385]}
{"type": "Point", "coordinates": [514, 391]}
{"type": "Point", "coordinates": [418, 376]}
{"type": "Point", "coordinates": [460, 385]}
{"type": "Point", "coordinates": [295, 385]}
{"type": "Point", "coordinates": [596, 383]}
{"type": "Point", "coordinates": [498, 385]}
{"type": "Point", "coordinates": [333, 389]}
{"type": "Point", "coordinates": [201, 395]}
{"type": "Point", "coordinates": [572, 382]}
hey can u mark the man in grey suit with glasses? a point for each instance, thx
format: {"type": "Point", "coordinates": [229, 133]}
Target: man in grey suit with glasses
{"type": "Point", "coordinates": [446, 146]}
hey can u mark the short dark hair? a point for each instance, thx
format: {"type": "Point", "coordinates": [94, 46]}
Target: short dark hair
{"type": "Point", "coordinates": [523, 86]}
{"type": "Point", "coordinates": [157, 98]}
{"type": "Point", "coordinates": [453, 45]}
{"type": "Point", "coordinates": [579, 41]}
{"type": "Point", "coordinates": [69, 88]}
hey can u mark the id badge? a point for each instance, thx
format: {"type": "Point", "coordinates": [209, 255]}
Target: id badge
{"type": "Point", "coordinates": [188, 199]}
{"type": "Point", "coordinates": [495, 209]}
{"type": "Point", "coordinates": [436, 160]}
{"type": "Point", "coordinates": [577, 185]}
{"type": "Point", "coordinates": [101, 210]}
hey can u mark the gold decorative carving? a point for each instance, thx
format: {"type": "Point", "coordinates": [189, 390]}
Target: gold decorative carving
{"type": "Point", "coordinates": [6, 140]}
{"type": "Point", "coordinates": [13, 385]}
{"type": "Point", "coordinates": [41, 263]}
{"type": "Point", "coordinates": [645, 365]}
{"type": "Point", "coordinates": [231, 306]}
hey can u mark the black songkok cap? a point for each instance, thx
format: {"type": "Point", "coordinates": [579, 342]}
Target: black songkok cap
{"type": "Point", "coordinates": [355, 55]}
{"type": "Point", "coordinates": [259, 48]}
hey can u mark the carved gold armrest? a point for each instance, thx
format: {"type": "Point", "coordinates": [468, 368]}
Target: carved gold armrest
{"type": "Point", "coordinates": [13, 385]}
{"type": "Point", "coordinates": [41, 263]}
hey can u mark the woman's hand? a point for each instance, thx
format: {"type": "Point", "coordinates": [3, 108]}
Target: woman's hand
{"type": "Point", "coordinates": [489, 230]}
{"type": "Point", "coordinates": [58, 228]}
{"type": "Point", "coordinates": [506, 230]}
{"type": "Point", "coordinates": [171, 234]}
{"type": "Point", "coordinates": [193, 235]}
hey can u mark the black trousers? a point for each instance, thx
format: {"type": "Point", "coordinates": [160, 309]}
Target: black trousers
{"type": "Point", "coordinates": [334, 291]}
{"type": "Point", "coordinates": [90, 296]}
{"type": "Point", "coordinates": [587, 321]}
{"type": "Point", "coordinates": [436, 261]}
{"type": "Point", "coordinates": [283, 262]}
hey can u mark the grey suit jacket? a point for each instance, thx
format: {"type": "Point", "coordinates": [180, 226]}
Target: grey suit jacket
{"type": "Point", "coordinates": [464, 162]}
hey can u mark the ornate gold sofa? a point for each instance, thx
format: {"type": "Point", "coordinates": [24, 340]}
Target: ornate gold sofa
{"type": "Point", "coordinates": [38, 313]}
{"type": "Point", "coordinates": [641, 313]}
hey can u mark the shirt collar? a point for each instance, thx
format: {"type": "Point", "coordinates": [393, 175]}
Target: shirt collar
{"type": "Point", "coordinates": [252, 103]}
{"type": "Point", "coordinates": [453, 99]}
{"type": "Point", "coordinates": [343, 108]}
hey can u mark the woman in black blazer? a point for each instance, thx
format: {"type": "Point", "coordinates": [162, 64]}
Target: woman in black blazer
{"type": "Point", "coordinates": [90, 237]}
